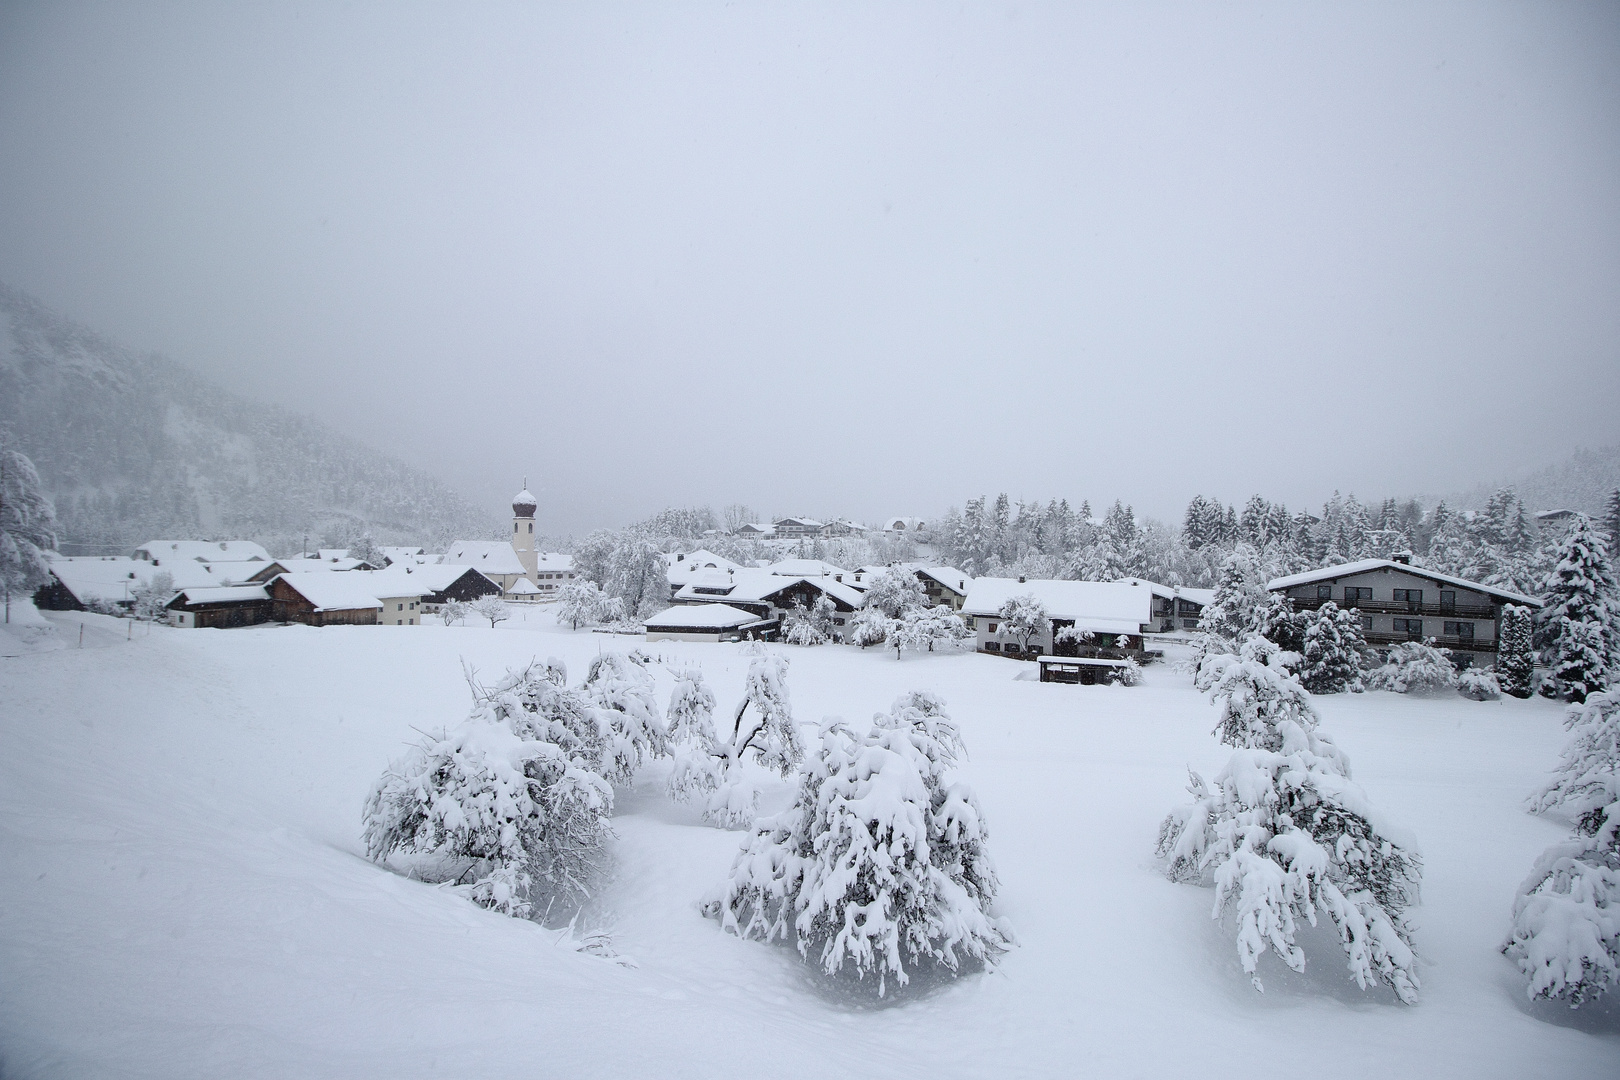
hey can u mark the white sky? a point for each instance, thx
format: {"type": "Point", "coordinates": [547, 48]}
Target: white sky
{"type": "Point", "coordinates": [871, 259]}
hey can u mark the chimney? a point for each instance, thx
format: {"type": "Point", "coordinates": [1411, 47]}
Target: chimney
{"type": "Point", "coordinates": [1403, 557]}
{"type": "Point", "coordinates": [1021, 579]}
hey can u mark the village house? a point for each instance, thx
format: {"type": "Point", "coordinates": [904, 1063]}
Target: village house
{"type": "Point", "coordinates": [88, 582]}
{"type": "Point", "coordinates": [552, 570]}
{"type": "Point", "coordinates": [220, 607]}
{"type": "Point", "coordinates": [1175, 608]}
{"type": "Point", "coordinates": [683, 567]}
{"type": "Point", "coordinates": [1109, 617]}
{"type": "Point", "coordinates": [941, 584]}
{"type": "Point", "coordinates": [708, 622]}
{"type": "Point", "coordinates": [791, 528]}
{"type": "Point", "coordinates": [755, 530]}
{"type": "Point", "coordinates": [162, 552]}
{"type": "Point", "coordinates": [495, 560]}
{"type": "Point", "coordinates": [430, 587]}
{"type": "Point", "coordinates": [325, 599]}
{"type": "Point", "coordinates": [1400, 602]}
{"type": "Point", "coordinates": [771, 596]}
{"type": "Point", "coordinates": [905, 525]}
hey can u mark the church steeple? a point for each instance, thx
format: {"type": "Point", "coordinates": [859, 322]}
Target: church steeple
{"type": "Point", "coordinates": [523, 507]}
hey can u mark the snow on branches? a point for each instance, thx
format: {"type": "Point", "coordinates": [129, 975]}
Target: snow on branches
{"type": "Point", "coordinates": [1023, 618]}
{"type": "Point", "coordinates": [628, 720]}
{"type": "Point", "coordinates": [508, 802]}
{"type": "Point", "coordinates": [1284, 836]}
{"type": "Point", "coordinates": [1515, 656]}
{"type": "Point", "coordinates": [880, 867]}
{"type": "Point", "coordinates": [1332, 651]}
{"type": "Point", "coordinates": [810, 626]}
{"type": "Point", "coordinates": [1415, 667]}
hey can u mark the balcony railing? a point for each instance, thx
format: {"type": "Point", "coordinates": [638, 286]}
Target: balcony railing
{"type": "Point", "coordinates": [1443, 641]}
{"type": "Point", "coordinates": [1401, 607]}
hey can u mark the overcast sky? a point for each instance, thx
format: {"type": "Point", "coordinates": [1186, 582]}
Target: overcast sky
{"type": "Point", "coordinates": [866, 260]}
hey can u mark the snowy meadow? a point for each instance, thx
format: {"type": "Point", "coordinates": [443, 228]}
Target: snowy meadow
{"type": "Point", "coordinates": [186, 893]}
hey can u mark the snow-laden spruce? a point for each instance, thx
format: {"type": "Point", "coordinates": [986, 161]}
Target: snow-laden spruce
{"type": "Point", "coordinates": [1566, 915]}
{"type": "Point", "coordinates": [879, 870]}
{"type": "Point", "coordinates": [508, 803]}
{"type": "Point", "coordinates": [726, 772]}
{"type": "Point", "coordinates": [1285, 836]}
{"type": "Point", "coordinates": [1580, 588]}
{"type": "Point", "coordinates": [1581, 667]}
{"type": "Point", "coordinates": [1515, 655]}
{"type": "Point", "coordinates": [1333, 645]}
{"type": "Point", "coordinates": [1415, 667]}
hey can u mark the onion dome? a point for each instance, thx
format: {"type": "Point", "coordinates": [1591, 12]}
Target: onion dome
{"type": "Point", "coordinates": [523, 504]}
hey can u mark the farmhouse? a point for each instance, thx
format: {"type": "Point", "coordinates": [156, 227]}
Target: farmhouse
{"type": "Point", "coordinates": [770, 596]}
{"type": "Point", "coordinates": [324, 599]}
{"type": "Point", "coordinates": [220, 607]}
{"type": "Point", "coordinates": [683, 567]}
{"type": "Point", "coordinates": [83, 583]}
{"type": "Point", "coordinates": [1400, 602]}
{"type": "Point", "coordinates": [168, 552]}
{"type": "Point", "coordinates": [756, 530]}
{"type": "Point", "coordinates": [494, 559]}
{"type": "Point", "coordinates": [1110, 617]}
{"type": "Point", "coordinates": [708, 622]}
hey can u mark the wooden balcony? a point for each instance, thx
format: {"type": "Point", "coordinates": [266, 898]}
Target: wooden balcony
{"type": "Point", "coordinates": [1444, 641]}
{"type": "Point", "coordinates": [1402, 607]}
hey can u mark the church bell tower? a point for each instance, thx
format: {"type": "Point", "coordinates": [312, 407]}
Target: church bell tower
{"type": "Point", "coordinates": [523, 506]}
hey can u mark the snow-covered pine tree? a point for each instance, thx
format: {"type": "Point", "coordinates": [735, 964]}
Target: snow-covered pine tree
{"type": "Point", "coordinates": [880, 869]}
{"type": "Point", "coordinates": [366, 550]}
{"type": "Point", "coordinates": [631, 727]}
{"type": "Point", "coordinates": [1332, 652]}
{"type": "Point", "coordinates": [1515, 656]}
{"type": "Point", "coordinates": [507, 802]}
{"type": "Point", "coordinates": [1566, 914]}
{"type": "Point", "coordinates": [27, 525]}
{"type": "Point", "coordinates": [1581, 588]}
{"type": "Point", "coordinates": [1582, 667]}
{"type": "Point", "coordinates": [1415, 667]}
{"type": "Point", "coordinates": [1611, 520]}
{"type": "Point", "coordinates": [1284, 835]}
{"type": "Point", "coordinates": [1232, 614]}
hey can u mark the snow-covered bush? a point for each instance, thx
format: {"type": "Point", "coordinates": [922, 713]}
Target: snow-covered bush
{"type": "Point", "coordinates": [870, 627]}
{"type": "Point", "coordinates": [1515, 656]}
{"type": "Point", "coordinates": [1332, 651]}
{"type": "Point", "coordinates": [492, 608]}
{"type": "Point", "coordinates": [1285, 836]}
{"type": "Point", "coordinates": [879, 869]}
{"type": "Point", "coordinates": [1581, 667]}
{"type": "Point", "coordinates": [454, 611]}
{"type": "Point", "coordinates": [506, 802]}
{"type": "Point", "coordinates": [1479, 685]}
{"type": "Point", "coordinates": [1129, 675]}
{"type": "Point", "coordinates": [1566, 914]}
{"type": "Point", "coordinates": [621, 689]}
{"type": "Point", "coordinates": [1414, 667]}
{"type": "Point", "coordinates": [153, 595]}
{"type": "Point", "coordinates": [1023, 618]}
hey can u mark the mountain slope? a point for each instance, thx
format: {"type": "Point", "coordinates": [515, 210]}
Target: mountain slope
{"type": "Point", "coordinates": [1583, 482]}
{"type": "Point", "coordinates": [133, 448]}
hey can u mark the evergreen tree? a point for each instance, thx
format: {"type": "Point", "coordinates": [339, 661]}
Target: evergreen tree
{"type": "Point", "coordinates": [1515, 655]}
{"type": "Point", "coordinates": [27, 526]}
{"type": "Point", "coordinates": [1580, 589]}
{"type": "Point", "coordinates": [1582, 667]}
{"type": "Point", "coordinates": [1332, 651]}
{"type": "Point", "coordinates": [1612, 520]}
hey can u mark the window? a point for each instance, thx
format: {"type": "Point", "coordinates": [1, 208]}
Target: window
{"type": "Point", "coordinates": [991, 627]}
{"type": "Point", "coordinates": [992, 646]}
{"type": "Point", "coordinates": [531, 526]}
{"type": "Point", "coordinates": [1189, 624]}
{"type": "Point", "coordinates": [514, 526]}
{"type": "Point", "coordinates": [1448, 598]}
{"type": "Point", "coordinates": [1409, 596]}
{"type": "Point", "coordinates": [1462, 630]}
{"type": "Point", "coordinates": [838, 622]}
{"type": "Point", "coordinates": [1353, 593]}
{"type": "Point", "coordinates": [1412, 628]}
{"type": "Point", "coordinates": [400, 607]}
{"type": "Point", "coordinates": [1324, 592]}
{"type": "Point", "coordinates": [1366, 624]}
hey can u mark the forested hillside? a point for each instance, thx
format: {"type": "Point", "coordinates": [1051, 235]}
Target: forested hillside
{"type": "Point", "coordinates": [1583, 482]}
{"type": "Point", "coordinates": [133, 448]}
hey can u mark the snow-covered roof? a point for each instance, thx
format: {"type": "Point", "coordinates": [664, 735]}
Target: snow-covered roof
{"type": "Point", "coordinates": [394, 554]}
{"type": "Point", "coordinates": [553, 562]}
{"type": "Point", "coordinates": [408, 579]}
{"type": "Point", "coordinates": [336, 592]}
{"type": "Point", "coordinates": [903, 524]}
{"type": "Point", "coordinates": [948, 576]}
{"type": "Point", "coordinates": [687, 566]}
{"type": "Point", "coordinates": [757, 527]}
{"type": "Point", "coordinates": [754, 584]}
{"type": "Point", "coordinates": [1106, 607]}
{"type": "Point", "coordinates": [523, 587]}
{"type": "Point", "coordinates": [1166, 591]}
{"type": "Point", "coordinates": [1328, 573]}
{"type": "Point", "coordinates": [715, 616]}
{"type": "Point", "coordinates": [805, 568]}
{"type": "Point", "coordinates": [232, 594]}
{"type": "Point", "coordinates": [167, 551]}
{"type": "Point", "coordinates": [113, 578]}
{"type": "Point", "coordinates": [306, 566]}
{"type": "Point", "coordinates": [1201, 597]}
{"type": "Point", "coordinates": [489, 556]}
{"type": "Point", "coordinates": [797, 522]}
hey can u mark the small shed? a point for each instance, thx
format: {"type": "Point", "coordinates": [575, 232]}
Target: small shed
{"type": "Point", "coordinates": [708, 622]}
{"type": "Point", "coordinates": [1083, 670]}
{"type": "Point", "coordinates": [236, 605]}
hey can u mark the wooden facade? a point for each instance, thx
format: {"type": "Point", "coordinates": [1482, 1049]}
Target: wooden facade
{"type": "Point", "coordinates": [221, 615]}
{"type": "Point", "coordinates": [288, 605]}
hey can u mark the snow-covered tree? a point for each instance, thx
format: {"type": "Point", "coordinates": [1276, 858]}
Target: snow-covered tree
{"type": "Point", "coordinates": [621, 689]}
{"type": "Point", "coordinates": [492, 608]}
{"type": "Point", "coordinates": [880, 869]}
{"type": "Point", "coordinates": [1580, 588]}
{"type": "Point", "coordinates": [638, 576]}
{"type": "Point", "coordinates": [1582, 666]}
{"type": "Point", "coordinates": [763, 737]}
{"type": "Point", "coordinates": [27, 526]}
{"type": "Point", "coordinates": [366, 550]}
{"type": "Point", "coordinates": [506, 803]}
{"type": "Point", "coordinates": [894, 591]}
{"type": "Point", "coordinates": [1023, 618]}
{"type": "Point", "coordinates": [1414, 667]}
{"type": "Point", "coordinates": [581, 603]}
{"type": "Point", "coordinates": [454, 611]}
{"type": "Point", "coordinates": [921, 629]}
{"type": "Point", "coordinates": [153, 595]}
{"type": "Point", "coordinates": [869, 627]}
{"type": "Point", "coordinates": [1566, 915]}
{"type": "Point", "coordinates": [763, 720]}
{"type": "Point", "coordinates": [1285, 836]}
{"type": "Point", "coordinates": [812, 626]}
{"type": "Point", "coordinates": [696, 747]}
{"type": "Point", "coordinates": [1515, 655]}
{"type": "Point", "coordinates": [1332, 652]}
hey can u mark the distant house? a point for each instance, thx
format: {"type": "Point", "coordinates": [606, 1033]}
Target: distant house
{"type": "Point", "coordinates": [161, 552]}
{"type": "Point", "coordinates": [1400, 602]}
{"type": "Point", "coordinates": [552, 571]}
{"type": "Point", "coordinates": [1112, 617]}
{"type": "Point", "coordinates": [771, 596]}
{"type": "Point", "coordinates": [220, 607]}
{"type": "Point", "coordinates": [708, 622]}
{"type": "Point", "coordinates": [495, 559]}
{"type": "Point", "coordinates": [1556, 519]}
{"type": "Point", "coordinates": [842, 528]}
{"type": "Point", "coordinates": [275, 568]}
{"type": "Point", "coordinates": [1175, 607]}
{"type": "Point", "coordinates": [324, 599]}
{"type": "Point", "coordinates": [682, 567]}
{"type": "Point", "coordinates": [905, 525]}
{"type": "Point", "coordinates": [82, 583]}
{"type": "Point", "coordinates": [793, 527]}
{"type": "Point", "coordinates": [403, 554]}
{"type": "Point", "coordinates": [430, 587]}
{"type": "Point", "coordinates": [756, 530]}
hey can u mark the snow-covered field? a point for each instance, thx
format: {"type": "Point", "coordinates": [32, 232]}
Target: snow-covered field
{"type": "Point", "coordinates": [183, 891]}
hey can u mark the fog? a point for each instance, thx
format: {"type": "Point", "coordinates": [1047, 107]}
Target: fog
{"type": "Point", "coordinates": [849, 260]}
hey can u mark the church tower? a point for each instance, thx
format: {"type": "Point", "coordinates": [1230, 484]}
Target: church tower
{"type": "Point", "coordinates": [523, 506]}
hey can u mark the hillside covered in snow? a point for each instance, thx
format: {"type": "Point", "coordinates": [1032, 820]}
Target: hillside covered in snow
{"type": "Point", "coordinates": [134, 447]}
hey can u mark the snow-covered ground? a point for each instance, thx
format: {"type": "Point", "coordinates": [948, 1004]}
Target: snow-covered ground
{"type": "Point", "coordinates": [183, 891]}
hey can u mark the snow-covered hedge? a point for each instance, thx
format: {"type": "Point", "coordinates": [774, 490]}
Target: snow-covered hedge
{"type": "Point", "coordinates": [1478, 685]}
{"type": "Point", "coordinates": [1415, 668]}
{"type": "Point", "coordinates": [1284, 836]}
{"type": "Point", "coordinates": [879, 870]}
